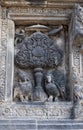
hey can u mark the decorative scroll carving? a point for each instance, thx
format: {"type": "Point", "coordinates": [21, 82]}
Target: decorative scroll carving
{"type": "Point", "coordinates": [78, 86]}
{"type": "Point", "coordinates": [48, 111]}
{"type": "Point", "coordinates": [76, 58]}
{"type": "Point", "coordinates": [19, 37]}
{"type": "Point", "coordinates": [39, 11]}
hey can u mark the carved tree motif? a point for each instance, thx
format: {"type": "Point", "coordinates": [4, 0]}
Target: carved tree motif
{"type": "Point", "coordinates": [38, 50]}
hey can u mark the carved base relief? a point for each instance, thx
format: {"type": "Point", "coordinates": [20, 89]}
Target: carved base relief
{"type": "Point", "coordinates": [58, 110]}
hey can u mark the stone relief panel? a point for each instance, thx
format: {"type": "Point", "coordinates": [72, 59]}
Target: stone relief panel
{"type": "Point", "coordinates": [39, 60]}
{"type": "Point", "coordinates": [39, 69]}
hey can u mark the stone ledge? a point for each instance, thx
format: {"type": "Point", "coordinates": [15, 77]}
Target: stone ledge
{"type": "Point", "coordinates": [22, 124]}
{"type": "Point", "coordinates": [57, 110]}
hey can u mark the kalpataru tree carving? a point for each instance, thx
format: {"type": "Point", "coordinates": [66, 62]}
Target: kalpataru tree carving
{"type": "Point", "coordinates": [37, 52]}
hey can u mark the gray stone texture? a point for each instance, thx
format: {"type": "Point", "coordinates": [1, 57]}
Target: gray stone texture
{"type": "Point", "coordinates": [62, 114]}
{"type": "Point", "coordinates": [40, 125]}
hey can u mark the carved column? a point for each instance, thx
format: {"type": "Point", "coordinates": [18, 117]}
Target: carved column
{"type": "Point", "coordinates": [10, 60]}
{"type": "Point", "coordinates": [0, 55]}
{"type": "Point", "coordinates": [70, 68]}
{"type": "Point", "coordinates": [71, 57]}
{"type": "Point", "coordinates": [76, 33]}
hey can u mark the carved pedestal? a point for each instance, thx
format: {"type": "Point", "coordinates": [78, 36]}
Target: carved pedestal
{"type": "Point", "coordinates": [39, 94]}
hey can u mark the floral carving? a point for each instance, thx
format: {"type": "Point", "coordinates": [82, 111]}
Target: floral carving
{"type": "Point", "coordinates": [38, 50]}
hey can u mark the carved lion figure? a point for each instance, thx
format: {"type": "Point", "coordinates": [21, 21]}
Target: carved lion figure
{"type": "Point", "coordinates": [23, 89]}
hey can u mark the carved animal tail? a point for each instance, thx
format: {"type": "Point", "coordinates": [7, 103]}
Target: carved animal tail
{"type": "Point", "coordinates": [61, 94]}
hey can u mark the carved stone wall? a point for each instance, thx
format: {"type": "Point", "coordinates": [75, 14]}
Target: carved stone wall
{"type": "Point", "coordinates": [53, 55]}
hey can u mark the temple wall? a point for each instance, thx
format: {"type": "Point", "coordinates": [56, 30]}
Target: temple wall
{"type": "Point", "coordinates": [16, 16]}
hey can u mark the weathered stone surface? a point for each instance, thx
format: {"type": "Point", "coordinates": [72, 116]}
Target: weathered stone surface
{"type": "Point", "coordinates": [36, 115]}
{"type": "Point", "coordinates": [9, 60]}
{"type": "Point", "coordinates": [78, 109]}
{"type": "Point", "coordinates": [76, 34]}
{"type": "Point", "coordinates": [40, 124]}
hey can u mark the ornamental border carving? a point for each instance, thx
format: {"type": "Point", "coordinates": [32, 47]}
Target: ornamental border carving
{"type": "Point", "coordinates": [3, 53]}
{"type": "Point", "coordinates": [18, 13]}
